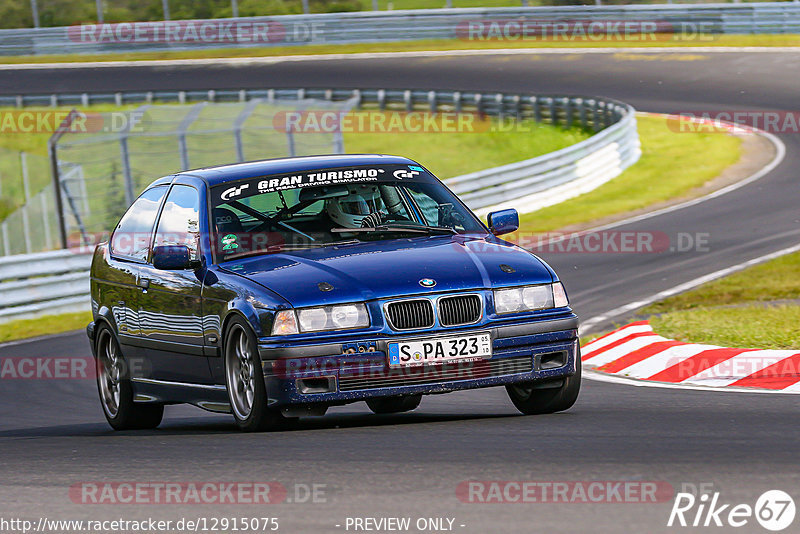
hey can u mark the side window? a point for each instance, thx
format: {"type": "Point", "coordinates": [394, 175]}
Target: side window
{"type": "Point", "coordinates": [132, 236]}
{"type": "Point", "coordinates": [428, 206]}
{"type": "Point", "coordinates": [180, 219]}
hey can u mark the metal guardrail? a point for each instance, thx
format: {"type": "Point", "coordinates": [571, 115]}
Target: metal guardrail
{"type": "Point", "coordinates": [366, 27]}
{"type": "Point", "coordinates": [46, 282]}
{"type": "Point", "coordinates": [58, 281]}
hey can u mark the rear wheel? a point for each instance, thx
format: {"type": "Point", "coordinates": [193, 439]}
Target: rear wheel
{"type": "Point", "coordinates": [116, 392]}
{"type": "Point", "coordinates": [531, 399]}
{"type": "Point", "coordinates": [394, 404]}
{"type": "Point", "coordinates": [245, 381]}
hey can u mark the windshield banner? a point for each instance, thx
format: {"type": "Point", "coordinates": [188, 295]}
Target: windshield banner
{"type": "Point", "coordinates": [270, 184]}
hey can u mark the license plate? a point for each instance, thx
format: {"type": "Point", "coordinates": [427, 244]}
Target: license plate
{"type": "Point", "coordinates": [440, 349]}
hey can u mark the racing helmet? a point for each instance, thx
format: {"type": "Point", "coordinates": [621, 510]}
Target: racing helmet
{"type": "Point", "coordinates": [348, 211]}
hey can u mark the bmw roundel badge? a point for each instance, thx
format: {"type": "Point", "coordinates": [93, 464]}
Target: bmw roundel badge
{"type": "Point", "coordinates": [427, 282]}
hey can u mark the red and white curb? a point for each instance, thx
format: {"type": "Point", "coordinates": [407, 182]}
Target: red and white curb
{"type": "Point", "coordinates": [636, 352]}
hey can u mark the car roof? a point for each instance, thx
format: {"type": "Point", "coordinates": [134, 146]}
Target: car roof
{"type": "Point", "coordinates": [252, 169]}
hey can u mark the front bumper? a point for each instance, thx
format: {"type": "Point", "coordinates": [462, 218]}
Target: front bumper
{"type": "Point", "coordinates": [342, 372]}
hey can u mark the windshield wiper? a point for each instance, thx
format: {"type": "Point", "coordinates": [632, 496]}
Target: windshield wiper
{"type": "Point", "coordinates": [416, 229]}
{"type": "Point", "coordinates": [287, 248]}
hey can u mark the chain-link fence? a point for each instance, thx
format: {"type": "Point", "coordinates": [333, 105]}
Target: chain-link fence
{"type": "Point", "coordinates": [103, 169]}
{"type": "Point", "coordinates": [27, 218]}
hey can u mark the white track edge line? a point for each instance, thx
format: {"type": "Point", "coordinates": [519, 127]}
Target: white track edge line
{"type": "Point", "coordinates": [614, 379]}
{"type": "Point", "coordinates": [680, 288]}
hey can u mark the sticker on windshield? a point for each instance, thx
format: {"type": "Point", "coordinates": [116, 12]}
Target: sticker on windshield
{"type": "Point", "coordinates": [316, 178]}
{"type": "Point", "coordinates": [400, 174]}
{"type": "Point", "coordinates": [229, 242]}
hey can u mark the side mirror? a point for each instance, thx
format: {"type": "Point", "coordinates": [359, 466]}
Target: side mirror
{"type": "Point", "coordinates": [503, 221]}
{"type": "Point", "coordinates": [171, 257]}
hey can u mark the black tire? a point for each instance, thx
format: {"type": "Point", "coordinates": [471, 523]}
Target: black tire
{"type": "Point", "coordinates": [532, 401]}
{"type": "Point", "coordinates": [115, 390]}
{"type": "Point", "coordinates": [248, 396]}
{"type": "Point", "coordinates": [394, 404]}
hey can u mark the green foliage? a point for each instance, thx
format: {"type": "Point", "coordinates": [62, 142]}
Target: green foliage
{"type": "Point", "coordinates": [17, 14]}
{"type": "Point", "coordinates": [7, 206]}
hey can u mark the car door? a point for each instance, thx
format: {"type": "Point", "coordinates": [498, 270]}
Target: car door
{"type": "Point", "coordinates": [170, 307]}
{"type": "Point", "coordinates": [128, 250]}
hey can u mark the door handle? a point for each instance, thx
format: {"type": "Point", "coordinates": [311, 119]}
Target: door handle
{"type": "Point", "coordinates": [144, 283]}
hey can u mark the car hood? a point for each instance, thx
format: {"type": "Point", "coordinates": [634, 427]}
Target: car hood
{"type": "Point", "coordinates": [386, 269]}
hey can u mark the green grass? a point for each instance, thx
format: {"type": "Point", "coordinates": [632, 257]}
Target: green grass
{"type": "Point", "coordinates": [776, 327]}
{"type": "Point", "coordinates": [41, 326]}
{"type": "Point", "coordinates": [672, 164]}
{"type": "Point", "coordinates": [452, 154]}
{"type": "Point", "coordinates": [735, 311]}
{"type": "Point", "coordinates": [778, 279]}
{"type": "Point", "coordinates": [403, 46]}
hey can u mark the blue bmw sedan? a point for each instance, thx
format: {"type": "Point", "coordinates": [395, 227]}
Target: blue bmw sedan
{"type": "Point", "coordinates": [276, 289]}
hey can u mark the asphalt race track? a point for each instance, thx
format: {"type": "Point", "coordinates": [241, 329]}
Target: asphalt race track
{"type": "Point", "coordinates": [52, 433]}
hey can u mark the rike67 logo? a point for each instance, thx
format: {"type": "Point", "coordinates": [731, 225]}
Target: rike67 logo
{"type": "Point", "coordinates": [774, 510]}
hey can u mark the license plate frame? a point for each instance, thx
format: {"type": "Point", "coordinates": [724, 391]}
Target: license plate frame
{"type": "Point", "coordinates": [436, 350]}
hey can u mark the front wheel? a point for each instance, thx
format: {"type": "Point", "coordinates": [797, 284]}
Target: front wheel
{"type": "Point", "coordinates": [116, 392]}
{"type": "Point", "coordinates": [394, 404]}
{"type": "Point", "coordinates": [245, 381]}
{"type": "Point", "coordinates": [531, 399]}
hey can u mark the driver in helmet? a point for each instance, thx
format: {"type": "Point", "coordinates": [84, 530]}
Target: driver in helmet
{"type": "Point", "coordinates": [362, 205]}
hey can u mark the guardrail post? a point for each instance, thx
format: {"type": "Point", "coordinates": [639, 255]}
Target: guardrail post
{"type": "Point", "coordinates": [26, 224]}
{"type": "Point", "coordinates": [567, 112]}
{"type": "Point", "coordinates": [4, 229]}
{"type": "Point", "coordinates": [381, 99]}
{"type": "Point", "coordinates": [35, 13]}
{"type": "Point", "coordinates": [408, 101]}
{"type": "Point", "coordinates": [553, 111]}
{"type": "Point", "coordinates": [127, 179]}
{"type": "Point", "coordinates": [48, 242]}
{"type": "Point", "coordinates": [596, 116]}
{"type": "Point", "coordinates": [582, 112]}
{"type": "Point", "coordinates": [290, 142]}
{"type": "Point", "coordinates": [537, 109]}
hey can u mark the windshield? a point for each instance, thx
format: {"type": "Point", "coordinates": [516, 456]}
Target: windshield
{"type": "Point", "coordinates": [332, 206]}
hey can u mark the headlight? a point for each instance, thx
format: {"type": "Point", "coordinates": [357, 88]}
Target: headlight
{"type": "Point", "coordinates": [340, 317]}
{"type": "Point", "coordinates": [529, 298]}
